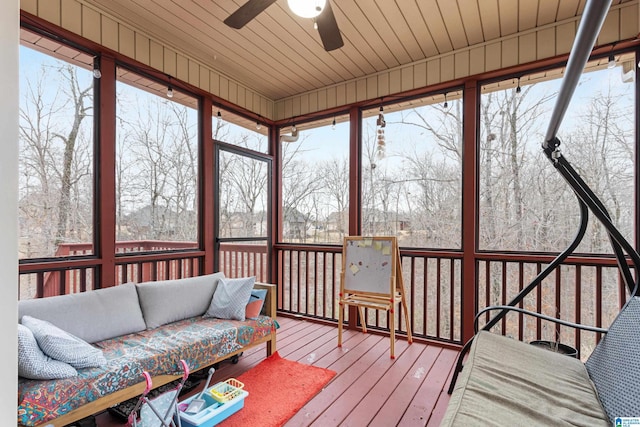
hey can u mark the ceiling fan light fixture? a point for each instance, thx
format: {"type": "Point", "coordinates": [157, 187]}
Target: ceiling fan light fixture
{"type": "Point", "coordinates": [307, 8]}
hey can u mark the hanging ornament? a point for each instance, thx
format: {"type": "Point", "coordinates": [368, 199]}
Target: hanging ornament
{"type": "Point", "coordinates": [380, 143]}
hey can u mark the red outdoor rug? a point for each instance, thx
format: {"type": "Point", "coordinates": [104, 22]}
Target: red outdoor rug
{"type": "Point", "coordinates": [277, 388]}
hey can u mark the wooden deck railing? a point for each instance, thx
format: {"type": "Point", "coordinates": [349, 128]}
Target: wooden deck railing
{"type": "Point", "coordinates": [243, 260]}
{"type": "Point", "coordinates": [142, 263]}
{"type": "Point", "coordinates": [64, 281]}
{"type": "Point", "coordinates": [45, 279]}
{"type": "Point", "coordinates": [127, 246]}
{"type": "Point", "coordinates": [310, 286]}
{"type": "Point", "coordinates": [584, 289]}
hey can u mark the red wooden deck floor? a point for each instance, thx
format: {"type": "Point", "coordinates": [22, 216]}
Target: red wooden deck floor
{"type": "Point", "coordinates": [370, 389]}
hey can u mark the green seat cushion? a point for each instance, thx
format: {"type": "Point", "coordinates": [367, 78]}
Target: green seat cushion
{"type": "Point", "coordinates": [509, 382]}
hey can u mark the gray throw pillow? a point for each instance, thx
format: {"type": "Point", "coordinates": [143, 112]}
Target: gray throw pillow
{"type": "Point", "coordinates": [230, 298]}
{"type": "Point", "coordinates": [34, 364]}
{"type": "Point", "coordinates": [613, 366]}
{"type": "Point", "coordinates": [167, 301]}
{"type": "Point", "coordinates": [63, 346]}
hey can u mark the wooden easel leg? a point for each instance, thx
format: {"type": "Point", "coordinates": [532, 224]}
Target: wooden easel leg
{"type": "Point", "coordinates": [363, 321]}
{"type": "Point", "coordinates": [392, 329]}
{"type": "Point", "coordinates": [406, 319]}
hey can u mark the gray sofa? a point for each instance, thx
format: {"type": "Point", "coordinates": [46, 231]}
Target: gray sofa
{"type": "Point", "coordinates": [506, 382]}
{"type": "Point", "coordinates": [134, 328]}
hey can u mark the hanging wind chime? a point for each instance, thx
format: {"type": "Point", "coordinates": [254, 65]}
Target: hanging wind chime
{"type": "Point", "coordinates": [380, 124]}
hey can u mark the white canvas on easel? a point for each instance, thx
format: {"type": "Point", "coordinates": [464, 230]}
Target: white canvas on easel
{"type": "Point", "coordinates": [372, 278]}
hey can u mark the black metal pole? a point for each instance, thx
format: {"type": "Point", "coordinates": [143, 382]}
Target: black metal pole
{"type": "Point", "coordinates": [619, 244]}
{"type": "Point", "coordinates": [595, 11]}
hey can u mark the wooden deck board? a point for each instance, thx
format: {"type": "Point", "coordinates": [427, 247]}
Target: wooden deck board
{"type": "Point", "coordinates": [421, 407]}
{"type": "Point", "coordinates": [389, 415]}
{"type": "Point", "coordinates": [359, 383]}
{"type": "Point", "coordinates": [349, 369]}
{"type": "Point", "coordinates": [370, 388]}
{"type": "Point", "coordinates": [441, 406]}
{"type": "Point", "coordinates": [389, 385]}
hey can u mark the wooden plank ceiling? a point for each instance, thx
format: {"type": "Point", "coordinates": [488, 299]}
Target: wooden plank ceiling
{"type": "Point", "coordinates": [279, 54]}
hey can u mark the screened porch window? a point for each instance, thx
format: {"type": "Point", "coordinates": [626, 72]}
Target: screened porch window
{"type": "Point", "coordinates": [524, 203]}
{"type": "Point", "coordinates": [56, 162]}
{"type": "Point", "coordinates": [412, 171]}
{"type": "Point", "coordinates": [315, 181]}
{"type": "Point", "coordinates": [156, 166]}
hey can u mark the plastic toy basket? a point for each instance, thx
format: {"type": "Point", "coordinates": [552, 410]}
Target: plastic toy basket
{"type": "Point", "coordinates": [226, 390]}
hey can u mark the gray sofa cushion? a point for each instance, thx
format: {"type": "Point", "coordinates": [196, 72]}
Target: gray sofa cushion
{"type": "Point", "coordinates": [168, 301]}
{"type": "Point", "coordinates": [90, 315]}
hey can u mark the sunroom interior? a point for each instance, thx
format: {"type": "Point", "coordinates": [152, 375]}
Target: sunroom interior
{"type": "Point", "coordinates": [182, 146]}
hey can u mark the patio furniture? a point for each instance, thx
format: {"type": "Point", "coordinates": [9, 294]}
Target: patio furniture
{"type": "Point", "coordinates": [510, 382]}
{"type": "Point", "coordinates": [150, 327]}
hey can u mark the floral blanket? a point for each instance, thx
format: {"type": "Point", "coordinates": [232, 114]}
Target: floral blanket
{"type": "Point", "coordinates": [157, 351]}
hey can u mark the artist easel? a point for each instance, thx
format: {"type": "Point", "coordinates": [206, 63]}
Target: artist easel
{"type": "Point", "coordinates": [371, 277]}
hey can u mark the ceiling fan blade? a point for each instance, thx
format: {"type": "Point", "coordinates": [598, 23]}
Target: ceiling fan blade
{"type": "Point", "coordinates": [247, 12]}
{"type": "Point", "coordinates": [328, 29]}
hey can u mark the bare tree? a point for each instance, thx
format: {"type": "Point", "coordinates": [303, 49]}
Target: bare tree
{"type": "Point", "coordinates": [335, 174]}
{"type": "Point", "coordinates": [443, 124]}
{"type": "Point", "coordinates": [158, 168]}
{"type": "Point", "coordinates": [56, 158]}
{"type": "Point", "coordinates": [418, 190]}
{"type": "Point", "coordinates": [605, 139]}
{"type": "Point", "coordinates": [508, 125]}
{"type": "Point", "coordinates": [300, 182]}
{"type": "Point", "coordinates": [250, 179]}
{"type": "Point", "coordinates": [81, 103]}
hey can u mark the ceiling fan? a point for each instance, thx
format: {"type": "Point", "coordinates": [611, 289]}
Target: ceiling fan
{"type": "Point", "coordinates": [319, 10]}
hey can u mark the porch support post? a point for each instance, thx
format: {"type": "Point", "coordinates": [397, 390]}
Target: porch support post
{"type": "Point", "coordinates": [276, 263]}
{"type": "Point", "coordinates": [105, 194]}
{"type": "Point", "coordinates": [355, 189]}
{"type": "Point", "coordinates": [207, 175]}
{"type": "Point", "coordinates": [470, 211]}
